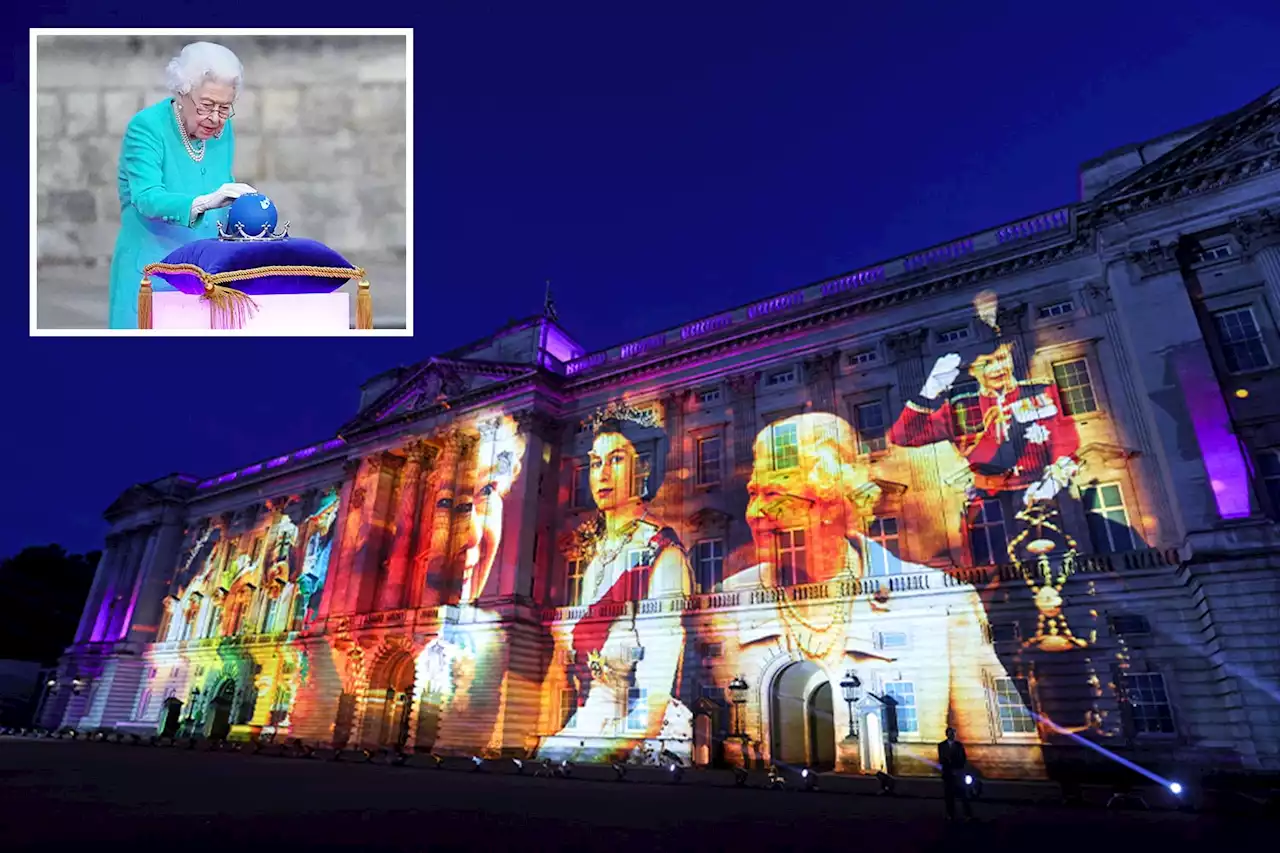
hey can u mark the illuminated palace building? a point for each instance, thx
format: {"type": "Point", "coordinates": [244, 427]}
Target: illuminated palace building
{"type": "Point", "coordinates": [1023, 484]}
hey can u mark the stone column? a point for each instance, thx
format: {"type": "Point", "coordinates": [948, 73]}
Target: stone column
{"type": "Point", "coordinates": [371, 538]}
{"type": "Point", "coordinates": [1132, 417]}
{"type": "Point", "coordinates": [119, 581]}
{"type": "Point", "coordinates": [742, 395]}
{"type": "Point", "coordinates": [101, 580]}
{"type": "Point", "coordinates": [1174, 364]}
{"type": "Point", "coordinates": [518, 559]}
{"type": "Point", "coordinates": [924, 498]}
{"type": "Point", "coordinates": [435, 522]}
{"type": "Point", "coordinates": [820, 373]}
{"type": "Point", "coordinates": [391, 594]}
{"type": "Point", "coordinates": [672, 490]}
{"type": "Point", "coordinates": [124, 615]}
{"type": "Point", "coordinates": [335, 576]}
{"type": "Point", "coordinates": [1259, 236]}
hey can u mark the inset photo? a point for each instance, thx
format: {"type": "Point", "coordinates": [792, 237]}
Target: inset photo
{"type": "Point", "coordinates": [212, 182]}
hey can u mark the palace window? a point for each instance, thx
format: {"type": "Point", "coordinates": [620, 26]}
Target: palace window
{"type": "Point", "coordinates": [709, 559]}
{"type": "Point", "coordinates": [987, 537]}
{"type": "Point", "coordinates": [951, 336]}
{"type": "Point", "coordinates": [791, 556]}
{"type": "Point", "coordinates": [710, 452]}
{"type": "Point", "coordinates": [892, 640]}
{"type": "Point", "coordinates": [568, 705]}
{"type": "Point", "coordinates": [966, 410]}
{"type": "Point", "coordinates": [883, 532]}
{"type": "Point", "coordinates": [640, 476]}
{"type": "Point", "coordinates": [903, 694]}
{"type": "Point", "coordinates": [713, 650]}
{"type": "Point", "coordinates": [1005, 632]}
{"type": "Point", "coordinates": [780, 377]}
{"type": "Point", "coordinates": [581, 487]}
{"type": "Point", "coordinates": [869, 421]}
{"type": "Point", "coordinates": [637, 709]}
{"type": "Point", "coordinates": [1074, 387]}
{"type": "Point", "coordinates": [1130, 624]}
{"type": "Point", "coordinates": [712, 693]}
{"type": "Point", "coordinates": [1269, 470]}
{"type": "Point", "coordinates": [1213, 253]}
{"type": "Point", "coordinates": [1242, 347]}
{"type": "Point", "coordinates": [1015, 718]}
{"type": "Point", "coordinates": [865, 357]}
{"type": "Point", "coordinates": [577, 569]}
{"type": "Point", "coordinates": [638, 588]}
{"type": "Point", "coordinates": [786, 447]}
{"type": "Point", "coordinates": [1057, 309]}
{"type": "Point", "coordinates": [1149, 706]}
{"type": "Point", "coordinates": [709, 397]}
{"type": "Point", "coordinates": [1108, 519]}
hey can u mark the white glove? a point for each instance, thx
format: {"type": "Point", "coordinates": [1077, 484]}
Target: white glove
{"type": "Point", "coordinates": [942, 377]}
{"type": "Point", "coordinates": [221, 197]}
{"type": "Point", "coordinates": [1056, 478]}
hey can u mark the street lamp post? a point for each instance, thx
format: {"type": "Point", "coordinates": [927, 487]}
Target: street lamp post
{"type": "Point", "coordinates": [849, 687]}
{"type": "Point", "coordinates": [738, 690]}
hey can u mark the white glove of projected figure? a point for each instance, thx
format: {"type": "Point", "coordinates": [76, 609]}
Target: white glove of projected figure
{"type": "Point", "coordinates": [221, 197]}
{"type": "Point", "coordinates": [942, 377]}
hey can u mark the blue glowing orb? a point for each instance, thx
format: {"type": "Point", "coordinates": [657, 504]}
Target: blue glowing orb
{"type": "Point", "coordinates": [255, 213]}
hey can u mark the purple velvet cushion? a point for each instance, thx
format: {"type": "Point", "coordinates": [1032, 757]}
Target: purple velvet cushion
{"type": "Point", "coordinates": [288, 266]}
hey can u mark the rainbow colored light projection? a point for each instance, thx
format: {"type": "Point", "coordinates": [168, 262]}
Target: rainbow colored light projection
{"type": "Point", "coordinates": [659, 582]}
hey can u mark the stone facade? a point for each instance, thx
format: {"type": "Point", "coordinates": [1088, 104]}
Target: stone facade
{"type": "Point", "coordinates": [320, 126]}
{"type": "Point", "coordinates": [796, 532]}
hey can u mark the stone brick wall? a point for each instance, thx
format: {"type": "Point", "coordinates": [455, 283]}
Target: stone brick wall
{"type": "Point", "coordinates": [320, 126]}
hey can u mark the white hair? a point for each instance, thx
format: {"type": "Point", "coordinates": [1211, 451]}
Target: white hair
{"type": "Point", "coordinates": [200, 61]}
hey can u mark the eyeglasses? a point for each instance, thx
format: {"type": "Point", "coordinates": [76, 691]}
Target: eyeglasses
{"type": "Point", "coordinates": [204, 110]}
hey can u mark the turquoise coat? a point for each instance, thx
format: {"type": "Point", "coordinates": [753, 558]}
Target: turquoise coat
{"type": "Point", "coordinates": [158, 181]}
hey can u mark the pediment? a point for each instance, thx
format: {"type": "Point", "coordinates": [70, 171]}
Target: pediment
{"type": "Point", "coordinates": [135, 497]}
{"type": "Point", "coordinates": [1237, 145]}
{"type": "Point", "coordinates": [1097, 455]}
{"type": "Point", "coordinates": [434, 386]}
{"type": "Point", "coordinates": [709, 518]}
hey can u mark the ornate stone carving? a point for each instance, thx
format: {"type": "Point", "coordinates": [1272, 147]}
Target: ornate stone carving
{"type": "Point", "coordinates": [744, 384]}
{"type": "Point", "coordinates": [908, 344]}
{"type": "Point", "coordinates": [1256, 231]}
{"type": "Point", "coordinates": [417, 451]}
{"type": "Point", "coordinates": [1098, 296]}
{"type": "Point", "coordinates": [1157, 258]}
{"type": "Point", "coordinates": [1011, 318]}
{"type": "Point", "coordinates": [358, 496]}
{"type": "Point", "coordinates": [539, 424]}
{"type": "Point", "coordinates": [822, 366]}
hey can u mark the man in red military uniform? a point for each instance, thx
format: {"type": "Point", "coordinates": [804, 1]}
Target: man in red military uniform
{"type": "Point", "coordinates": [1014, 433]}
{"type": "Point", "coordinates": [1020, 445]}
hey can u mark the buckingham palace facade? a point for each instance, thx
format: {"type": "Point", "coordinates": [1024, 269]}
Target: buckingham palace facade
{"type": "Point", "coordinates": [1024, 484]}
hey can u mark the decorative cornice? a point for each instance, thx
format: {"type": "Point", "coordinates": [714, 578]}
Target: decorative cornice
{"type": "Point", "coordinates": [1157, 258]}
{"type": "Point", "coordinates": [1256, 231]}
{"type": "Point", "coordinates": [907, 344]}
{"type": "Point", "coordinates": [539, 424]}
{"type": "Point", "coordinates": [822, 365]}
{"type": "Point", "coordinates": [743, 384]}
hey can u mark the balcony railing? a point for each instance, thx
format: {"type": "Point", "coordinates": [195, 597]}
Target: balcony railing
{"type": "Point", "coordinates": [977, 576]}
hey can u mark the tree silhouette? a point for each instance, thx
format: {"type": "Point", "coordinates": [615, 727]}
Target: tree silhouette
{"type": "Point", "coordinates": [44, 593]}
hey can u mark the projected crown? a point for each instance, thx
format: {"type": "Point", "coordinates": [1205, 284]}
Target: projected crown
{"type": "Point", "coordinates": [616, 411]}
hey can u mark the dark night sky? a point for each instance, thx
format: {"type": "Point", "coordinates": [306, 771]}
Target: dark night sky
{"type": "Point", "coordinates": [656, 167]}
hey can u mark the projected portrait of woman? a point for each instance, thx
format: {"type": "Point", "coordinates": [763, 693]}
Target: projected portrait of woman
{"type": "Point", "coordinates": [615, 673]}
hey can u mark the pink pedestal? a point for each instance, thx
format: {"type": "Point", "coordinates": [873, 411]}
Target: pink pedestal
{"type": "Point", "coordinates": [305, 313]}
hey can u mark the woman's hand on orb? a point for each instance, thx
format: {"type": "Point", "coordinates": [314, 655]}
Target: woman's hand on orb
{"type": "Point", "coordinates": [234, 191]}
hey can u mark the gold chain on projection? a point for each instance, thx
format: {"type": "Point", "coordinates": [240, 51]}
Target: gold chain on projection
{"type": "Point", "coordinates": [1053, 634]}
{"type": "Point", "coordinates": [831, 634]}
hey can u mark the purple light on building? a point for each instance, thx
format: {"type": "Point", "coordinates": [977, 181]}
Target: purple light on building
{"type": "Point", "coordinates": [207, 484]}
{"type": "Point", "coordinates": [637, 347]}
{"type": "Point", "coordinates": [941, 254]}
{"type": "Point", "coordinates": [252, 469]}
{"type": "Point", "coordinates": [585, 363]}
{"type": "Point", "coordinates": [333, 444]}
{"type": "Point", "coordinates": [702, 327]}
{"type": "Point", "coordinates": [851, 282]}
{"type": "Point", "coordinates": [277, 462]}
{"type": "Point", "coordinates": [1035, 225]}
{"type": "Point", "coordinates": [227, 478]}
{"type": "Point", "coordinates": [1219, 446]}
{"type": "Point", "coordinates": [305, 452]}
{"type": "Point", "coordinates": [777, 303]}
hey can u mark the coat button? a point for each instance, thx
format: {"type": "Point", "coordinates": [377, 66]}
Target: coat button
{"type": "Point", "coordinates": [202, 170]}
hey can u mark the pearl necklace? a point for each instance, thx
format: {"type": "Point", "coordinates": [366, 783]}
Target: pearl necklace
{"type": "Point", "coordinates": [186, 140]}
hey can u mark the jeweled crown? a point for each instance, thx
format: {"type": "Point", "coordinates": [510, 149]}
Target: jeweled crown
{"type": "Point", "coordinates": [619, 411]}
{"type": "Point", "coordinates": [240, 235]}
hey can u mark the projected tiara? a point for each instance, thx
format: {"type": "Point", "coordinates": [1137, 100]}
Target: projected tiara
{"type": "Point", "coordinates": [616, 411]}
{"type": "Point", "coordinates": [240, 235]}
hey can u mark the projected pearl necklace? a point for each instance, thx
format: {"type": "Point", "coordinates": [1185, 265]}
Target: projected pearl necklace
{"type": "Point", "coordinates": [625, 536]}
{"type": "Point", "coordinates": [829, 635]}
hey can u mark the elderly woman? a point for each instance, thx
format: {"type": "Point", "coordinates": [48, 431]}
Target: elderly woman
{"type": "Point", "coordinates": [175, 170]}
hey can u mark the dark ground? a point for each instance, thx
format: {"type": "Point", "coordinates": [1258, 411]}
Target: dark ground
{"type": "Point", "coordinates": [57, 795]}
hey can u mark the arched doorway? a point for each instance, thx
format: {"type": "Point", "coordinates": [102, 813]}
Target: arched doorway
{"type": "Point", "coordinates": [220, 711]}
{"type": "Point", "coordinates": [802, 731]}
{"type": "Point", "coordinates": [389, 703]}
{"type": "Point", "coordinates": [170, 717]}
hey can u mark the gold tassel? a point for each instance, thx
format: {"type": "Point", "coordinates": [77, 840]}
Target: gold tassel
{"type": "Point", "coordinates": [144, 303]}
{"type": "Point", "coordinates": [364, 306]}
{"type": "Point", "coordinates": [228, 308]}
